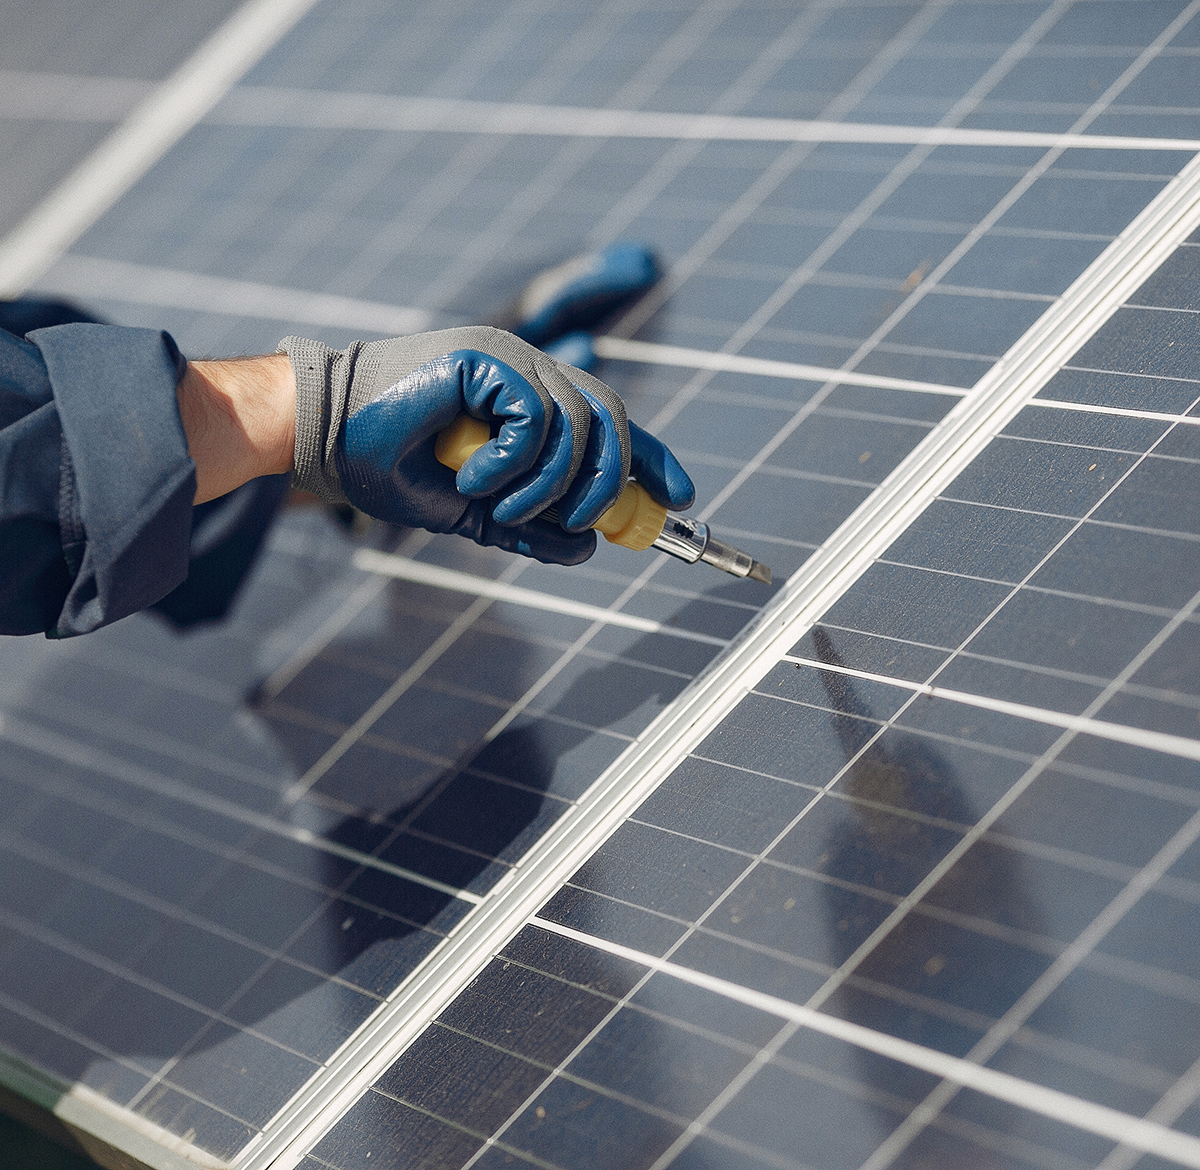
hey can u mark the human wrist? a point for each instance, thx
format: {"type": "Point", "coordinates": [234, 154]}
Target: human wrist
{"type": "Point", "coordinates": [238, 417]}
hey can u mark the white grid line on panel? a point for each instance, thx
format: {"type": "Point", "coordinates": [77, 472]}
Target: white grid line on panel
{"type": "Point", "coordinates": [742, 208]}
{"type": "Point", "coordinates": [322, 110]}
{"type": "Point", "coordinates": [88, 277]}
{"type": "Point", "coordinates": [455, 630]}
{"type": "Point", "coordinates": [753, 78]}
{"type": "Point", "coordinates": [1169, 1107]}
{"type": "Point", "coordinates": [388, 565]}
{"type": "Point", "coordinates": [1084, 723]}
{"type": "Point", "coordinates": [491, 43]}
{"type": "Point", "coordinates": [1166, 696]}
{"type": "Point", "coordinates": [492, 240]}
{"type": "Point", "coordinates": [95, 278]}
{"type": "Point", "coordinates": [1045, 985]}
{"type": "Point", "coordinates": [404, 569]}
{"type": "Point", "coordinates": [342, 193]}
{"type": "Point", "coordinates": [683, 153]}
{"type": "Point", "coordinates": [57, 746]}
{"type": "Point", "coordinates": [870, 1040]}
{"type": "Point", "coordinates": [1158, 741]}
{"type": "Point", "coordinates": [965, 105]}
{"type": "Point", "coordinates": [137, 817]}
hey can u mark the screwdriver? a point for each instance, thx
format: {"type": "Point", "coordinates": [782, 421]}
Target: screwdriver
{"type": "Point", "coordinates": [635, 521]}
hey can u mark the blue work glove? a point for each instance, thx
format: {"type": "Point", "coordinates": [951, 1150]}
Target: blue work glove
{"type": "Point", "coordinates": [580, 294]}
{"type": "Point", "coordinates": [367, 418]}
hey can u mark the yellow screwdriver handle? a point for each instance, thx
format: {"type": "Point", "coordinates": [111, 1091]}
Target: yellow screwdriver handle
{"type": "Point", "coordinates": [635, 520]}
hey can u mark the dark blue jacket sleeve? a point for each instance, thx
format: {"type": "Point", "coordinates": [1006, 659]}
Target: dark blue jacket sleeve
{"type": "Point", "coordinates": [96, 484]}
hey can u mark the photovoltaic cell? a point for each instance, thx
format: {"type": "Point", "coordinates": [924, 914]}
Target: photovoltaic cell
{"type": "Point", "coordinates": [243, 841]}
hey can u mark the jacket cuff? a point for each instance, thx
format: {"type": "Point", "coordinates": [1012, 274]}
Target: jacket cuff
{"type": "Point", "coordinates": [126, 479]}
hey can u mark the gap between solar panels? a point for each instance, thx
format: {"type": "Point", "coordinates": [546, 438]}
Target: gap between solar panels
{"type": "Point", "coordinates": [845, 556]}
{"type": "Point", "coordinates": [61, 97]}
{"type": "Point", "coordinates": [309, 109]}
{"type": "Point", "coordinates": [1157, 741]}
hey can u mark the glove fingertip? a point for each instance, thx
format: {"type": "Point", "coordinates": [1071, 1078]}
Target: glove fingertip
{"type": "Point", "coordinates": [681, 492]}
{"type": "Point", "coordinates": [668, 484]}
{"type": "Point", "coordinates": [659, 472]}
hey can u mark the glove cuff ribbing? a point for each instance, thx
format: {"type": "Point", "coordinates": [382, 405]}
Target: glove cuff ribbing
{"type": "Point", "coordinates": [322, 379]}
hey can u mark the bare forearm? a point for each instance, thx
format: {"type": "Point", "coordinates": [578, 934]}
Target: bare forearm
{"type": "Point", "coordinates": [239, 417]}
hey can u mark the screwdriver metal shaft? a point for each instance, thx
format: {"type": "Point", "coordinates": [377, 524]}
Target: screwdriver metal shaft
{"type": "Point", "coordinates": [690, 540]}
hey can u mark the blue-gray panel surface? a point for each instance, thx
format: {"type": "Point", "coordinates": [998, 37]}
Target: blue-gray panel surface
{"type": "Point", "coordinates": [146, 775]}
{"type": "Point", "coordinates": [1058, 571]}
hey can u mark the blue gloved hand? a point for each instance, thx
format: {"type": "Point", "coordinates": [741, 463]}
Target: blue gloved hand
{"type": "Point", "coordinates": [581, 293]}
{"type": "Point", "coordinates": [367, 418]}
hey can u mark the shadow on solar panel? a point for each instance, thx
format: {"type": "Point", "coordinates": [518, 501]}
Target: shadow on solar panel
{"type": "Point", "coordinates": [944, 972]}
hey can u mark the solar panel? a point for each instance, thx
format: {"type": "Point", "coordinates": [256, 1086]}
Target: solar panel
{"type": "Point", "coordinates": [867, 893]}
